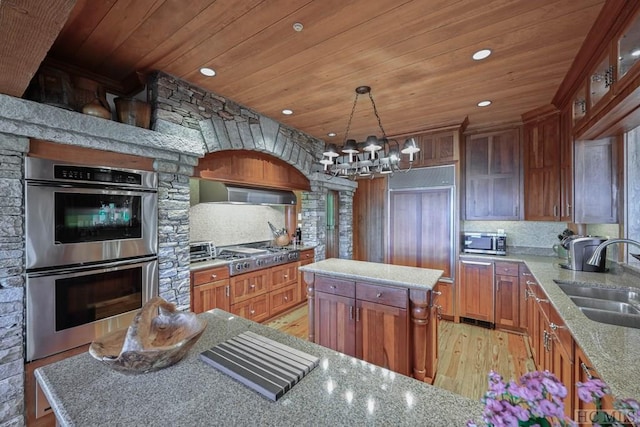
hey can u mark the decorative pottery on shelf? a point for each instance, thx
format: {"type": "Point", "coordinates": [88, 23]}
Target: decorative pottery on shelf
{"type": "Point", "coordinates": [133, 112]}
{"type": "Point", "coordinates": [97, 108]}
{"type": "Point", "coordinates": [159, 336]}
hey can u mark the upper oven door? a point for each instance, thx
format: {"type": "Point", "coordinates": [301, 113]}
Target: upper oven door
{"type": "Point", "coordinates": [71, 225]}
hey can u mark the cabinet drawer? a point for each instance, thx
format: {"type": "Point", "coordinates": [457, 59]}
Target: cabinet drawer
{"type": "Point", "coordinates": [330, 285]}
{"type": "Point", "coordinates": [506, 268]}
{"type": "Point", "coordinates": [210, 275]}
{"type": "Point", "coordinates": [284, 298]}
{"type": "Point", "coordinates": [307, 255]}
{"type": "Point", "coordinates": [284, 275]}
{"type": "Point", "coordinates": [249, 285]}
{"type": "Point", "coordinates": [256, 308]}
{"type": "Point", "coordinates": [386, 295]}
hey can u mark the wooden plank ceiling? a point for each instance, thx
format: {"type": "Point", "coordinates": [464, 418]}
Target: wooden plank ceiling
{"type": "Point", "coordinates": [416, 55]}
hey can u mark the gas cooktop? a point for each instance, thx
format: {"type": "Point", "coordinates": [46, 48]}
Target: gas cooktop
{"type": "Point", "coordinates": [243, 259]}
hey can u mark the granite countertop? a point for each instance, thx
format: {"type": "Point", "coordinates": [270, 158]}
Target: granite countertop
{"type": "Point", "coordinates": [340, 391]}
{"type": "Point", "coordinates": [372, 272]}
{"type": "Point", "coordinates": [613, 350]}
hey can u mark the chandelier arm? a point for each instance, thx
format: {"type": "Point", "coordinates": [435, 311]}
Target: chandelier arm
{"type": "Point", "coordinates": [375, 111]}
{"type": "Point", "coordinates": [353, 110]}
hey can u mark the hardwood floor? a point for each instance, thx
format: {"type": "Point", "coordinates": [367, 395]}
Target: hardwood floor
{"type": "Point", "coordinates": [466, 353]}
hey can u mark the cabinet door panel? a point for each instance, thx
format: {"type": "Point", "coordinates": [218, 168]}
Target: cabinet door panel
{"type": "Point", "coordinates": [245, 286]}
{"type": "Point", "coordinates": [335, 325]}
{"type": "Point", "coordinates": [492, 175]}
{"type": "Point", "coordinates": [595, 182]}
{"type": "Point", "coordinates": [476, 296]}
{"type": "Point", "coordinates": [211, 295]}
{"type": "Point", "coordinates": [382, 335]}
{"type": "Point", "coordinates": [507, 301]}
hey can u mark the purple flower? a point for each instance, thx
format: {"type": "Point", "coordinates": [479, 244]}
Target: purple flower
{"type": "Point", "coordinates": [592, 389]}
{"type": "Point", "coordinates": [555, 387]}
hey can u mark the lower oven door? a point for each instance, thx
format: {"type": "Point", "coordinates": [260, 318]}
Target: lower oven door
{"type": "Point", "coordinates": [71, 307]}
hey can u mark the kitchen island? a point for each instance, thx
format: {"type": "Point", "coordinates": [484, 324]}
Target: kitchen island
{"type": "Point", "coordinates": [381, 313]}
{"type": "Point", "coordinates": [340, 391]}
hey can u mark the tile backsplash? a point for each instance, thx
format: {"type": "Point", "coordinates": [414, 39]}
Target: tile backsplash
{"type": "Point", "coordinates": [535, 234]}
{"type": "Point", "coordinates": [227, 224]}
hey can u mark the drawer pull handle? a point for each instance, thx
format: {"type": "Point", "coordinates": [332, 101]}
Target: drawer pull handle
{"type": "Point", "coordinates": [541, 300]}
{"type": "Point", "coordinates": [226, 290]}
{"type": "Point", "coordinates": [332, 286]}
{"type": "Point", "coordinates": [379, 294]}
{"type": "Point", "coordinates": [436, 292]}
{"type": "Point", "coordinates": [350, 312]}
{"type": "Point", "coordinates": [555, 327]}
{"type": "Point", "coordinates": [586, 369]}
{"type": "Point", "coordinates": [530, 283]}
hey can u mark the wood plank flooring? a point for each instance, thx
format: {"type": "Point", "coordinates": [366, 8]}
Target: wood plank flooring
{"type": "Point", "coordinates": [467, 353]}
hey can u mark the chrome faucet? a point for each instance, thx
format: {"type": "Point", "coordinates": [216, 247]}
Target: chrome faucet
{"type": "Point", "coordinates": [597, 253]}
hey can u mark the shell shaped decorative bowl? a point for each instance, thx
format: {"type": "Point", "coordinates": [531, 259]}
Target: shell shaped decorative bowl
{"type": "Point", "coordinates": [159, 336]}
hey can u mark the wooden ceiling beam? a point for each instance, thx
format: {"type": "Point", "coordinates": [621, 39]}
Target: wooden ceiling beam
{"type": "Point", "coordinates": [28, 28]}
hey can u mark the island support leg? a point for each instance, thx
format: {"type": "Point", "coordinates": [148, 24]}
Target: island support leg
{"type": "Point", "coordinates": [309, 281]}
{"type": "Point", "coordinates": [423, 356]}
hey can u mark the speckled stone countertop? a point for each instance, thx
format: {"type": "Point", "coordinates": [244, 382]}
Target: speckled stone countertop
{"type": "Point", "coordinates": [613, 350]}
{"type": "Point", "coordinates": [373, 272]}
{"type": "Point", "coordinates": [340, 391]}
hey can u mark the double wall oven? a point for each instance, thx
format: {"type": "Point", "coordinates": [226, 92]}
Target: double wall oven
{"type": "Point", "coordinates": [91, 251]}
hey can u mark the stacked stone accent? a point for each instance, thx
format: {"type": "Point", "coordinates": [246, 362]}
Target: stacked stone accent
{"type": "Point", "coordinates": [173, 233]}
{"type": "Point", "coordinates": [222, 124]}
{"type": "Point", "coordinates": [12, 279]}
{"type": "Point", "coordinates": [345, 224]}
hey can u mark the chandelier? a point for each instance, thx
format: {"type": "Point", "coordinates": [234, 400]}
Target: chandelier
{"type": "Point", "coordinates": [373, 156]}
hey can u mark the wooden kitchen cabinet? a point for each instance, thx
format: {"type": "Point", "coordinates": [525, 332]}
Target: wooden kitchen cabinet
{"type": "Point", "coordinates": [444, 303]}
{"type": "Point", "coordinates": [210, 289]}
{"type": "Point", "coordinates": [248, 285]}
{"type": "Point", "coordinates": [334, 310]}
{"type": "Point", "coordinates": [507, 297]}
{"type": "Point", "coordinates": [256, 308]}
{"type": "Point", "coordinates": [363, 320]}
{"type": "Point", "coordinates": [382, 328]}
{"type": "Point", "coordinates": [561, 349]}
{"type": "Point", "coordinates": [596, 186]}
{"type": "Point", "coordinates": [476, 291]}
{"type": "Point", "coordinates": [283, 275]}
{"type": "Point", "coordinates": [283, 298]}
{"type": "Point", "coordinates": [542, 184]}
{"type": "Point", "coordinates": [525, 278]}
{"type": "Point", "coordinates": [492, 176]}
{"type": "Point", "coordinates": [435, 149]}
{"type": "Point", "coordinates": [306, 257]}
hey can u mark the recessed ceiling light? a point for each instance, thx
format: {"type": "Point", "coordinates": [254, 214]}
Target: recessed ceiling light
{"type": "Point", "coordinates": [287, 112]}
{"type": "Point", "coordinates": [209, 72]}
{"type": "Point", "coordinates": [481, 54]}
{"type": "Point", "coordinates": [331, 134]}
{"type": "Point", "coordinates": [298, 26]}
{"type": "Point", "coordinates": [484, 103]}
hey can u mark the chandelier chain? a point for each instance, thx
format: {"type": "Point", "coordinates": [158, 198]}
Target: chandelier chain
{"type": "Point", "coordinates": [353, 110]}
{"type": "Point", "coordinates": [375, 111]}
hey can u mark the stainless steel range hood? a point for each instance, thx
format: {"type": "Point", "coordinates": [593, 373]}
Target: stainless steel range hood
{"type": "Point", "coordinates": [218, 192]}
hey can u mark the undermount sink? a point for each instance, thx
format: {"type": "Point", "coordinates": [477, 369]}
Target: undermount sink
{"type": "Point", "coordinates": [613, 306]}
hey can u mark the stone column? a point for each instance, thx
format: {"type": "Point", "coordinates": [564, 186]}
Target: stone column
{"type": "Point", "coordinates": [345, 211]}
{"type": "Point", "coordinates": [173, 232]}
{"type": "Point", "coordinates": [12, 279]}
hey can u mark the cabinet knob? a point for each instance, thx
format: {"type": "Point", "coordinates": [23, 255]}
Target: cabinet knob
{"type": "Point", "coordinates": [379, 294]}
{"type": "Point", "coordinates": [332, 286]}
{"type": "Point", "coordinates": [252, 286]}
{"type": "Point", "coordinates": [286, 276]}
{"type": "Point", "coordinates": [252, 312]}
{"type": "Point", "coordinates": [286, 298]}
{"type": "Point", "coordinates": [213, 276]}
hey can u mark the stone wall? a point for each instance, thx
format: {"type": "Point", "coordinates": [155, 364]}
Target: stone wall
{"type": "Point", "coordinates": [173, 233]}
{"type": "Point", "coordinates": [12, 283]}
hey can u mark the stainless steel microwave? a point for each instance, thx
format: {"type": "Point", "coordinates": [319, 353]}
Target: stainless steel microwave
{"type": "Point", "coordinates": [484, 243]}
